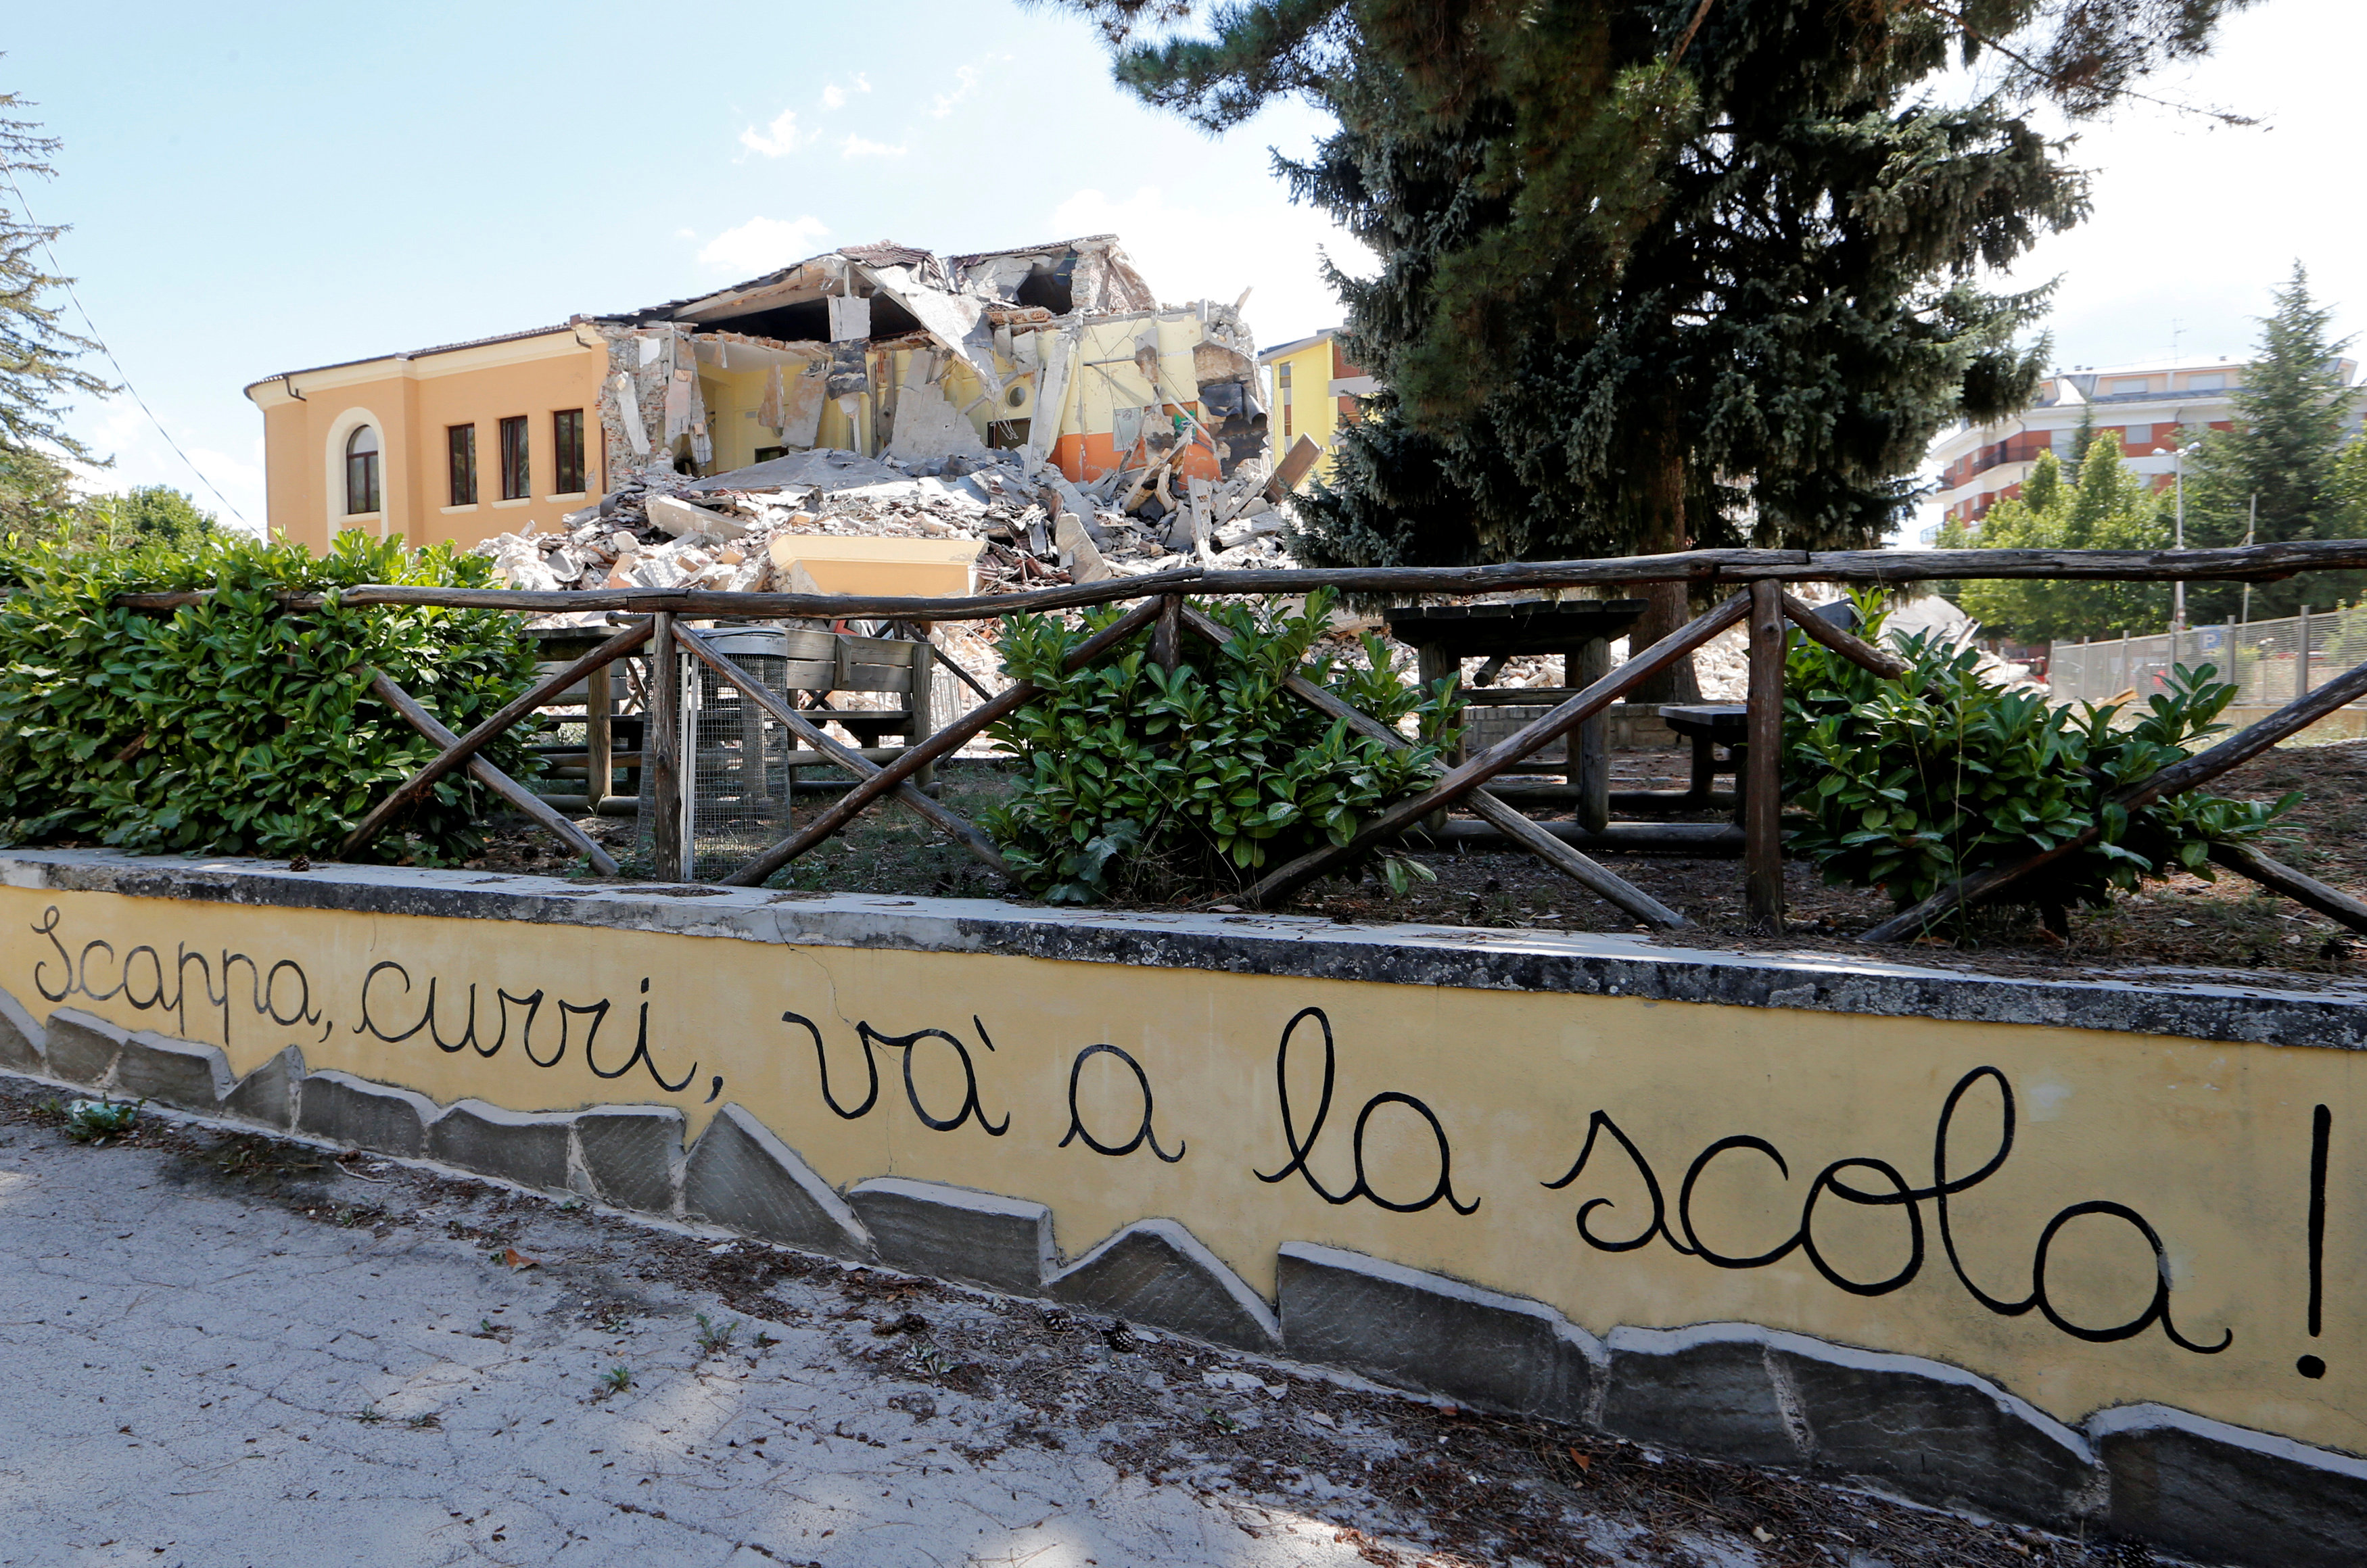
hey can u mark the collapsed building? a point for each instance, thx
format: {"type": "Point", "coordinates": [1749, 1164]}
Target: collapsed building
{"type": "Point", "coordinates": [1040, 400]}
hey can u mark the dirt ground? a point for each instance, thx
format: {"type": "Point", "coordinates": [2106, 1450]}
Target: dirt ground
{"type": "Point", "coordinates": [289, 1356]}
{"type": "Point", "coordinates": [2227, 926]}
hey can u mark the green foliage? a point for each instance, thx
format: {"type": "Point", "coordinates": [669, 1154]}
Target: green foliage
{"type": "Point", "coordinates": [2286, 448]}
{"type": "Point", "coordinates": [96, 1121]}
{"type": "Point", "coordinates": [1138, 783]}
{"type": "Point", "coordinates": [144, 514]}
{"type": "Point", "coordinates": [2106, 508]}
{"type": "Point", "coordinates": [230, 726]}
{"type": "Point", "coordinates": [1916, 782]}
{"type": "Point", "coordinates": [38, 373]}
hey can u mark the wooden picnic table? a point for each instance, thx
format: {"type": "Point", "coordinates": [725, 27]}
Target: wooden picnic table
{"type": "Point", "coordinates": [1577, 631]}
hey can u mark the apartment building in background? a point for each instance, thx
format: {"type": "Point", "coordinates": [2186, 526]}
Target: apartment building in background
{"type": "Point", "coordinates": [2146, 405]}
{"type": "Point", "coordinates": [1312, 390]}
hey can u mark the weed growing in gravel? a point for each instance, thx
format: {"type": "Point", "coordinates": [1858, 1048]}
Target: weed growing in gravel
{"type": "Point", "coordinates": [370, 1416]}
{"type": "Point", "coordinates": [714, 1338]}
{"type": "Point", "coordinates": [252, 1158]}
{"type": "Point", "coordinates": [616, 1380]}
{"type": "Point", "coordinates": [93, 1121]}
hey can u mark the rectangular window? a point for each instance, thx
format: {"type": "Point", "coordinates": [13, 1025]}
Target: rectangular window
{"type": "Point", "coordinates": [517, 482]}
{"type": "Point", "coordinates": [1282, 396]}
{"type": "Point", "coordinates": [460, 444]}
{"type": "Point", "coordinates": [2210, 383]}
{"type": "Point", "coordinates": [567, 450]}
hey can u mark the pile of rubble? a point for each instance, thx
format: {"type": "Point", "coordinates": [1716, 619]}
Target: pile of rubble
{"type": "Point", "coordinates": [1038, 528]}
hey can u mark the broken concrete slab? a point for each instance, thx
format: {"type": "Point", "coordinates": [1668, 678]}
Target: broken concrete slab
{"type": "Point", "coordinates": [267, 1095]}
{"type": "Point", "coordinates": [180, 1073]}
{"type": "Point", "coordinates": [81, 1047]}
{"type": "Point", "coordinates": [739, 1176]}
{"type": "Point", "coordinates": [2222, 1494]}
{"type": "Point", "coordinates": [1157, 1272]}
{"type": "Point", "coordinates": [527, 1147]}
{"type": "Point", "coordinates": [630, 1153]}
{"type": "Point", "coordinates": [1435, 1333]}
{"type": "Point", "coordinates": [1707, 1389]}
{"type": "Point", "coordinates": [1004, 1244]}
{"type": "Point", "coordinates": [1935, 1433]}
{"type": "Point", "coordinates": [680, 518]}
{"type": "Point", "coordinates": [20, 1037]}
{"type": "Point", "coordinates": [364, 1115]}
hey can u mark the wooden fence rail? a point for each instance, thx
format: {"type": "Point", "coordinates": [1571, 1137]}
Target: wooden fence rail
{"type": "Point", "coordinates": [1161, 606]}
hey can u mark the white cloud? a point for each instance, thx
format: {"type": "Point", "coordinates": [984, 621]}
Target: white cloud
{"type": "Point", "coordinates": [143, 457]}
{"type": "Point", "coordinates": [856, 147]}
{"type": "Point", "coordinates": [965, 79]}
{"type": "Point", "coordinates": [779, 138]}
{"type": "Point", "coordinates": [1266, 244]}
{"type": "Point", "coordinates": [763, 245]}
{"type": "Point", "coordinates": [862, 81]}
{"type": "Point", "coordinates": [833, 96]}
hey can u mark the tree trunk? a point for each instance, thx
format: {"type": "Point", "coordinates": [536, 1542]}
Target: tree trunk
{"type": "Point", "coordinates": [1662, 504]}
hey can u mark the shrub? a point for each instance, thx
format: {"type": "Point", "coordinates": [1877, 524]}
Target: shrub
{"type": "Point", "coordinates": [1916, 782]}
{"type": "Point", "coordinates": [1138, 783]}
{"type": "Point", "coordinates": [230, 726]}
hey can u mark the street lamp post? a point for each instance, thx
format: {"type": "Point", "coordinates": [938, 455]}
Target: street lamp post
{"type": "Point", "coordinates": [2178, 590]}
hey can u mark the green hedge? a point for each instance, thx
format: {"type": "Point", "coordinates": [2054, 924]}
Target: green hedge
{"type": "Point", "coordinates": [1137, 783]}
{"type": "Point", "coordinates": [1913, 783]}
{"type": "Point", "coordinates": [232, 726]}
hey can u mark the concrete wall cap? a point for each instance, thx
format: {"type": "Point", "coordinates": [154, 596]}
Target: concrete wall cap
{"type": "Point", "coordinates": [2127, 1420]}
{"type": "Point", "coordinates": [1175, 1235]}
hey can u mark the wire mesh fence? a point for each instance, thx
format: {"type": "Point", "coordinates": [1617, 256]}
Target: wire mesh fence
{"type": "Point", "coordinates": [2271, 662]}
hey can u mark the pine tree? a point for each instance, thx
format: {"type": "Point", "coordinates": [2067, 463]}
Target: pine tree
{"type": "Point", "coordinates": [1659, 273]}
{"type": "Point", "coordinates": [2286, 449]}
{"type": "Point", "coordinates": [36, 355]}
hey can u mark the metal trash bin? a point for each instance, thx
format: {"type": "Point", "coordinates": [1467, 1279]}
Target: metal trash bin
{"type": "Point", "coordinates": [736, 783]}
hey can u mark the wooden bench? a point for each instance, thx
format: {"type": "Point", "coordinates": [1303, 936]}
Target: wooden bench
{"type": "Point", "coordinates": [1577, 631]}
{"type": "Point", "coordinates": [1710, 726]}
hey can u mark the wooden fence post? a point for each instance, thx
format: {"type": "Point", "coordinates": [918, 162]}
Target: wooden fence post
{"type": "Point", "coordinates": [1762, 794]}
{"type": "Point", "coordinates": [662, 751]}
{"type": "Point", "coordinates": [1167, 634]}
{"type": "Point", "coordinates": [599, 755]}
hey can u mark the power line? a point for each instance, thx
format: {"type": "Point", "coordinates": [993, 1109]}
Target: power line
{"type": "Point", "coordinates": [58, 269]}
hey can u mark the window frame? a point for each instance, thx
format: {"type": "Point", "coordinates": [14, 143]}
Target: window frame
{"type": "Point", "coordinates": [460, 462]}
{"type": "Point", "coordinates": [517, 458]}
{"type": "Point", "coordinates": [371, 475]}
{"type": "Point", "coordinates": [568, 452]}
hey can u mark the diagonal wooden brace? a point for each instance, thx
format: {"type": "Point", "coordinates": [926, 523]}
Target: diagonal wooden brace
{"type": "Point", "coordinates": [1587, 873]}
{"type": "Point", "coordinates": [942, 743]}
{"type": "Point", "coordinates": [2176, 779]}
{"type": "Point", "coordinates": [492, 777]}
{"type": "Point", "coordinates": [1537, 734]}
{"type": "Point", "coordinates": [457, 755]}
{"type": "Point", "coordinates": [846, 757]}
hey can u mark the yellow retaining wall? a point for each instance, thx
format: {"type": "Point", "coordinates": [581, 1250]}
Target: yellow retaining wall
{"type": "Point", "coordinates": [2139, 1227]}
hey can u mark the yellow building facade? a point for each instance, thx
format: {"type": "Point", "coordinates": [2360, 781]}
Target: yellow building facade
{"type": "Point", "coordinates": [1312, 391]}
{"type": "Point", "coordinates": [454, 443]}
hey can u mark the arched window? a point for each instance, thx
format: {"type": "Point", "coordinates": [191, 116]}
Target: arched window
{"type": "Point", "coordinates": [361, 471]}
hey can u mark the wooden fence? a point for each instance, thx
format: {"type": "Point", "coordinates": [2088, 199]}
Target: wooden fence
{"type": "Point", "coordinates": [1162, 603]}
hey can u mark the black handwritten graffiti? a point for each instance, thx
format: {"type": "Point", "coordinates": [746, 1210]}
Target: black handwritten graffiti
{"type": "Point", "coordinates": [1300, 1148]}
{"type": "Point", "coordinates": [1896, 1191]}
{"type": "Point", "coordinates": [869, 1037]}
{"type": "Point", "coordinates": [469, 1037]}
{"type": "Point", "coordinates": [2321, 1135]}
{"type": "Point", "coordinates": [283, 993]}
{"type": "Point", "coordinates": [1142, 1132]}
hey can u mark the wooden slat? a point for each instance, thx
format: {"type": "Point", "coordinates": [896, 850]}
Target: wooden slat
{"type": "Point", "coordinates": [945, 742]}
{"type": "Point", "coordinates": [414, 788]}
{"type": "Point", "coordinates": [845, 757]}
{"type": "Point", "coordinates": [662, 746]}
{"type": "Point", "coordinates": [2176, 779]}
{"type": "Point", "coordinates": [1762, 794]}
{"type": "Point", "coordinates": [1591, 874]}
{"type": "Point", "coordinates": [1500, 758]}
{"type": "Point", "coordinates": [2299, 886]}
{"type": "Point", "coordinates": [492, 778]}
{"type": "Point", "coordinates": [1854, 648]}
{"type": "Point", "coordinates": [2234, 563]}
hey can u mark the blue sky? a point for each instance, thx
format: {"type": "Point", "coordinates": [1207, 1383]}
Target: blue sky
{"type": "Point", "coordinates": [265, 187]}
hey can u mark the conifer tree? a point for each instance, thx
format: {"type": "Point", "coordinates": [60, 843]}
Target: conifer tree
{"type": "Point", "coordinates": [2286, 449]}
{"type": "Point", "coordinates": [1659, 273]}
{"type": "Point", "coordinates": [37, 353]}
